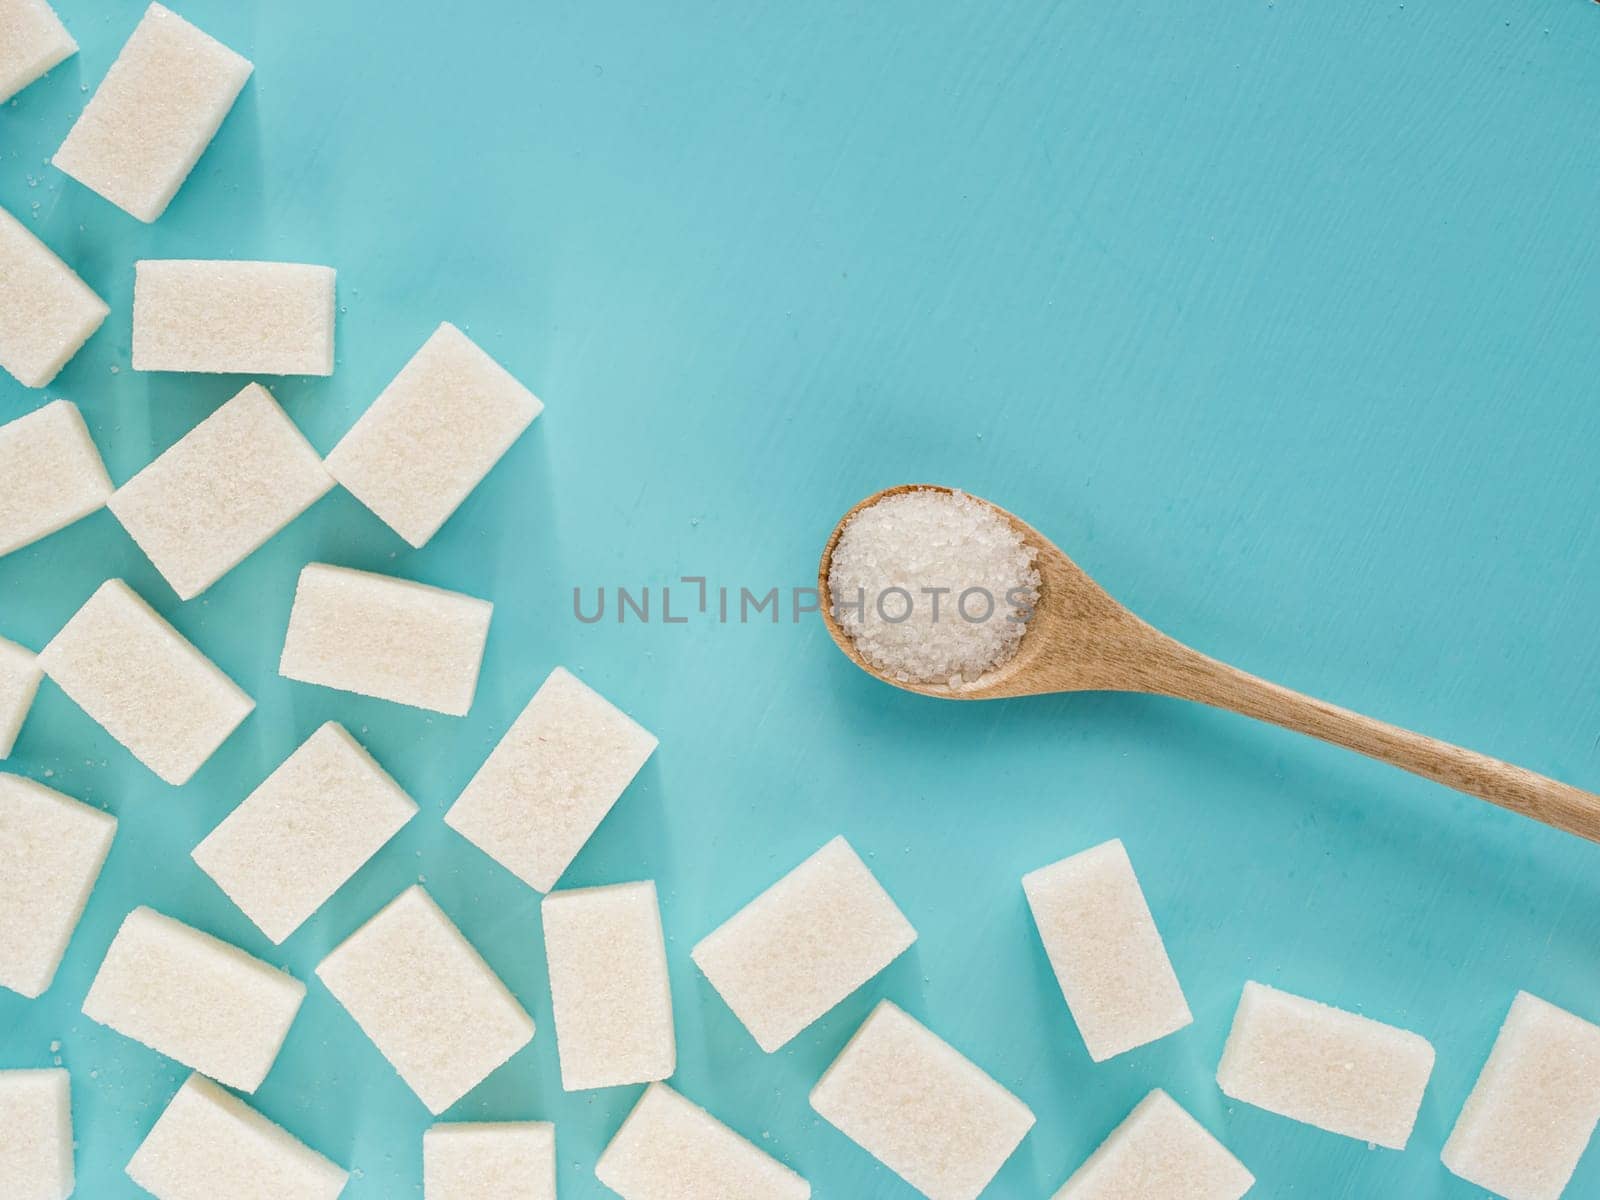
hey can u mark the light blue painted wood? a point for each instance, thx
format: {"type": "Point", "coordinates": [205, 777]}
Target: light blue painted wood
{"type": "Point", "coordinates": [1280, 317]}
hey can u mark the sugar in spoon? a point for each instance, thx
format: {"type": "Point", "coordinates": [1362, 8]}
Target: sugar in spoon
{"type": "Point", "coordinates": [1079, 639]}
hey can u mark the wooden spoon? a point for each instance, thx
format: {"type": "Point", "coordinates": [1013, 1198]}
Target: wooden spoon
{"type": "Point", "coordinates": [1081, 640]}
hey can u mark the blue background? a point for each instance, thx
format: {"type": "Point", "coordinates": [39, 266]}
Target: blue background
{"type": "Point", "coordinates": [1281, 318]}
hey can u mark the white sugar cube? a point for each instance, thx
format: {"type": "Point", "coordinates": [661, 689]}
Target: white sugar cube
{"type": "Point", "coordinates": [1534, 1107]}
{"type": "Point", "coordinates": [1105, 949]}
{"type": "Point", "coordinates": [508, 1160]}
{"type": "Point", "coordinates": [307, 829]}
{"type": "Point", "coordinates": [671, 1149]}
{"type": "Point", "coordinates": [19, 683]}
{"type": "Point", "coordinates": [608, 986]}
{"type": "Point", "coordinates": [51, 852]}
{"type": "Point", "coordinates": [432, 435]}
{"type": "Point", "coordinates": [1325, 1067]}
{"type": "Point", "coordinates": [32, 40]}
{"type": "Point", "coordinates": [220, 316]}
{"type": "Point", "coordinates": [148, 687]}
{"type": "Point", "coordinates": [36, 1133]}
{"type": "Point", "coordinates": [427, 999]}
{"type": "Point", "coordinates": [804, 944]}
{"type": "Point", "coordinates": [916, 1105]}
{"type": "Point", "coordinates": [551, 780]}
{"type": "Point", "coordinates": [194, 998]}
{"type": "Point", "coordinates": [50, 474]}
{"type": "Point", "coordinates": [1162, 1153]}
{"type": "Point", "coordinates": [46, 311]}
{"type": "Point", "coordinates": [209, 1144]}
{"type": "Point", "coordinates": [390, 638]}
{"type": "Point", "coordinates": [154, 114]}
{"type": "Point", "coordinates": [221, 491]}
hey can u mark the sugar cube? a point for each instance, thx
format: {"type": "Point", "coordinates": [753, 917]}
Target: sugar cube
{"type": "Point", "coordinates": [308, 828]}
{"type": "Point", "coordinates": [51, 852]}
{"type": "Point", "coordinates": [390, 638]}
{"type": "Point", "coordinates": [221, 491]}
{"type": "Point", "coordinates": [50, 474]}
{"type": "Point", "coordinates": [1322, 1066]}
{"type": "Point", "coordinates": [194, 998]}
{"type": "Point", "coordinates": [427, 999]}
{"type": "Point", "coordinates": [32, 40]}
{"type": "Point", "coordinates": [551, 780]}
{"type": "Point", "coordinates": [36, 1134]}
{"type": "Point", "coordinates": [46, 312]}
{"type": "Point", "coordinates": [1105, 949]}
{"type": "Point", "coordinates": [223, 317]}
{"type": "Point", "coordinates": [1160, 1151]}
{"type": "Point", "coordinates": [916, 1105]}
{"type": "Point", "coordinates": [507, 1160]}
{"type": "Point", "coordinates": [432, 435]}
{"type": "Point", "coordinates": [804, 944]}
{"type": "Point", "coordinates": [154, 114]}
{"type": "Point", "coordinates": [19, 683]}
{"type": "Point", "coordinates": [608, 985]}
{"type": "Point", "coordinates": [671, 1149]}
{"type": "Point", "coordinates": [1534, 1107]}
{"type": "Point", "coordinates": [209, 1144]}
{"type": "Point", "coordinates": [148, 687]}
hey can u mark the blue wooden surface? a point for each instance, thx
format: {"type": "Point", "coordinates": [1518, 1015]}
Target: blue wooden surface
{"type": "Point", "coordinates": [1281, 318]}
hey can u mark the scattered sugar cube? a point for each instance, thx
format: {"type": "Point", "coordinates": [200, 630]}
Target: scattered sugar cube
{"type": "Point", "coordinates": [804, 944]}
{"type": "Point", "coordinates": [1325, 1067]}
{"type": "Point", "coordinates": [50, 474]}
{"type": "Point", "coordinates": [390, 638]}
{"type": "Point", "coordinates": [221, 491]}
{"type": "Point", "coordinates": [671, 1149]}
{"type": "Point", "coordinates": [46, 312]}
{"type": "Point", "coordinates": [427, 999]}
{"type": "Point", "coordinates": [1106, 951]}
{"type": "Point", "coordinates": [154, 114]}
{"type": "Point", "coordinates": [432, 435]}
{"type": "Point", "coordinates": [1162, 1153]}
{"type": "Point", "coordinates": [209, 1144]}
{"type": "Point", "coordinates": [230, 317]}
{"type": "Point", "coordinates": [916, 1105]}
{"type": "Point", "coordinates": [194, 998]}
{"type": "Point", "coordinates": [307, 829]}
{"type": "Point", "coordinates": [32, 40]}
{"type": "Point", "coordinates": [552, 779]}
{"type": "Point", "coordinates": [608, 986]}
{"type": "Point", "coordinates": [509, 1160]}
{"type": "Point", "coordinates": [36, 1132]}
{"type": "Point", "coordinates": [148, 687]}
{"type": "Point", "coordinates": [19, 683]}
{"type": "Point", "coordinates": [1534, 1107]}
{"type": "Point", "coordinates": [51, 852]}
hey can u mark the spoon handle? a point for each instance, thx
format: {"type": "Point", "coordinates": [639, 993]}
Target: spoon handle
{"type": "Point", "coordinates": [1190, 675]}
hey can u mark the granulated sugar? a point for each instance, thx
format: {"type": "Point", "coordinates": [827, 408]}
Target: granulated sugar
{"type": "Point", "coordinates": [935, 587]}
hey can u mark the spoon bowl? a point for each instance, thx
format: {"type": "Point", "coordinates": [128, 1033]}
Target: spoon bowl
{"type": "Point", "coordinates": [1080, 639]}
{"type": "Point", "coordinates": [1073, 624]}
